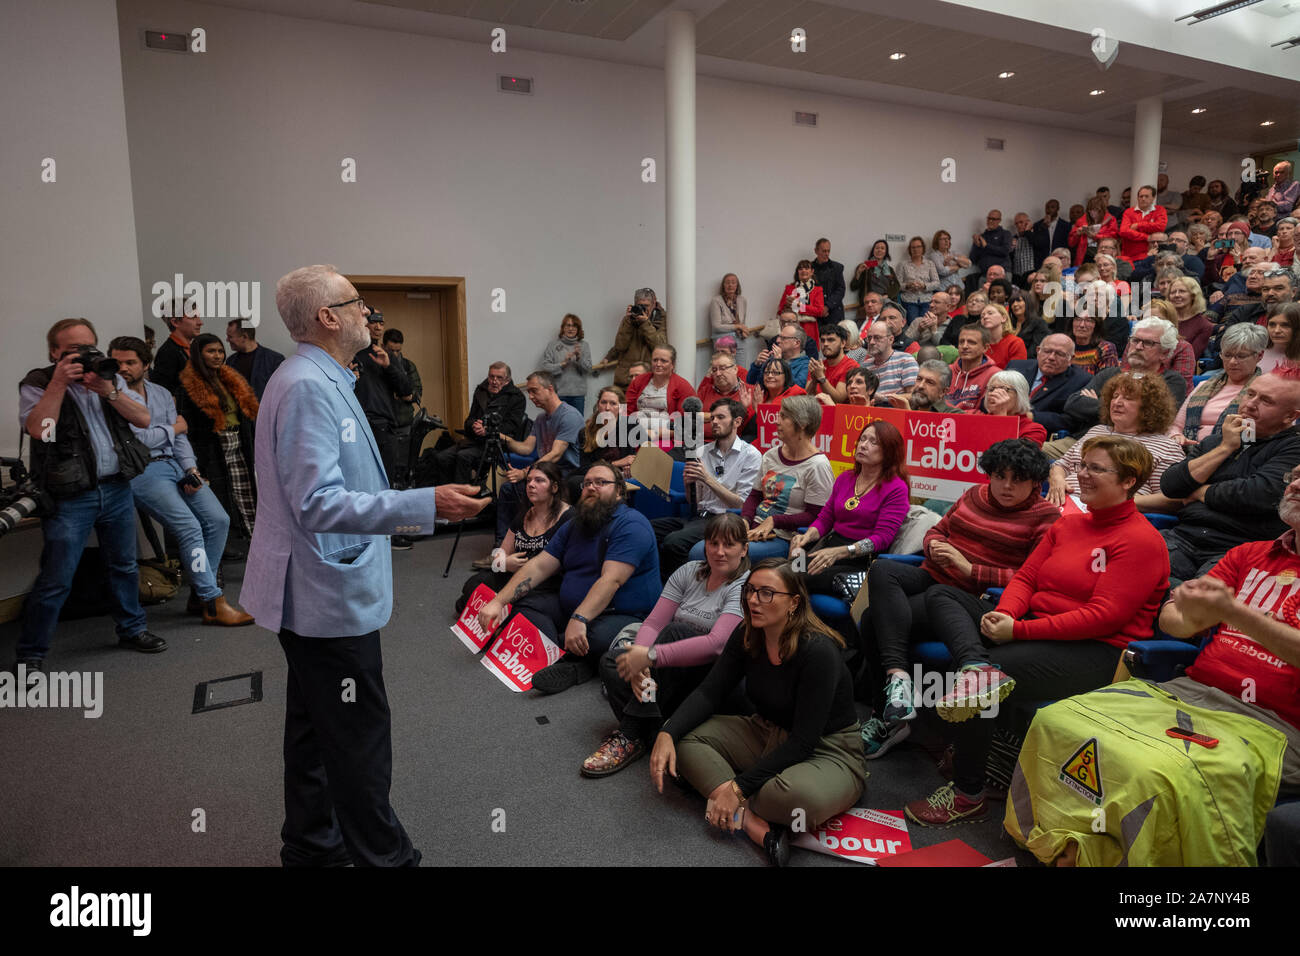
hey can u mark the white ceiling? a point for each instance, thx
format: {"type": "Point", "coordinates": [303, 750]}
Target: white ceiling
{"type": "Point", "coordinates": [954, 52]}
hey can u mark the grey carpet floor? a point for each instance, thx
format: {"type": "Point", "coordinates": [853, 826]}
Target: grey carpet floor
{"type": "Point", "coordinates": [124, 789]}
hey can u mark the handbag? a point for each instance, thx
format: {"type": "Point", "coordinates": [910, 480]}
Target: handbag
{"type": "Point", "coordinates": [160, 579]}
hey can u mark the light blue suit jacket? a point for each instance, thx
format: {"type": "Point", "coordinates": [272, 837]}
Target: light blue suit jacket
{"type": "Point", "coordinates": [320, 563]}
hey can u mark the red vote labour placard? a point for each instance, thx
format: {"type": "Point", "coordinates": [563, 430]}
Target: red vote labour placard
{"type": "Point", "coordinates": [863, 836]}
{"type": "Point", "coordinates": [467, 627]}
{"type": "Point", "coordinates": [941, 452]}
{"type": "Point", "coordinates": [518, 653]}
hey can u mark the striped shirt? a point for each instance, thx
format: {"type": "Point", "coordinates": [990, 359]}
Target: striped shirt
{"type": "Point", "coordinates": [896, 373]}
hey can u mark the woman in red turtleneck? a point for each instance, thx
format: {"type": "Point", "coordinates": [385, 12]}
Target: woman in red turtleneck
{"type": "Point", "coordinates": [1093, 584]}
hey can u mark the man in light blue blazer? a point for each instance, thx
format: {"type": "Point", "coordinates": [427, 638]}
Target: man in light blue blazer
{"type": "Point", "coordinates": [319, 573]}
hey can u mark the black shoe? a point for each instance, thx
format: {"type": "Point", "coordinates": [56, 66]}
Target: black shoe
{"type": "Point", "coordinates": [777, 845]}
{"type": "Point", "coordinates": [402, 542]}
{"type": "Point", "coordinates": [33, 665]}
{"type": "Point", "coordinates": [144, 642]}
{"type": "Point", "coordinates": [561, 676]}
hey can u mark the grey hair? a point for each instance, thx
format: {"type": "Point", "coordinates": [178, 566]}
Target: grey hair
{"type": "Point", "coordinates": [1288, 219]}
{"type": "Point", "coordinates": [1245, 335]}
{"type": "Point", "coordinates": [300, 295]}
{"type": "Point", "coordinates": [1198, 229]}
{"type": "Point", "coordinates": [645, 294]}
{"type": "Point", "coordinates": [942, 370]}
{"type": "Point", "coordinates": [509, 374]}
{"type": "Point", "coordinates": [805, 411]}
{"type": "Point", "coordinates": [1016, 382]}
{"type": "Point", "coordinates": [1168, 334]}
{"type": "Point", "coordinates": [803, 336]}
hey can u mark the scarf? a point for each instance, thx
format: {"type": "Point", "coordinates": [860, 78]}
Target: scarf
{"type": "Point", "coordinates": [1196, 403]}
{"type": "Point", "coordinates": [209, 402]}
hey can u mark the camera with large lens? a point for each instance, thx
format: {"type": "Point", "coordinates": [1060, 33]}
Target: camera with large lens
{"type": "Point", "coordinates": [21, 499]}
{"type": "Point", "coordinates": [92, 359]}
{"type": "Point", "coordinates": [638, 309]}
{"type": "Point", "coordinates": [492, 421]}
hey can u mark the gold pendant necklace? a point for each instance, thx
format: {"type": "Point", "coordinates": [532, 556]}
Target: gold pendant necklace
{"type": "Point", "coordinates": [857, 497]}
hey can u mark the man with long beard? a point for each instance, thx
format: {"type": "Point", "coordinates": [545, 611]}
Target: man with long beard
{"type": "Point", "coordinates": [611, 579]}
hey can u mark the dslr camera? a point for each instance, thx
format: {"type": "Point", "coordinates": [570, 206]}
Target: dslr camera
{"type": "Point", "coordinates": [492, 422]}
{"type": "Point", "coordinates": [92, 359]}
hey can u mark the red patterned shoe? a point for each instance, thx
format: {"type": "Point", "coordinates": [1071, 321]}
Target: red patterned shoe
{"type": "Point", "coordinates": [977, 687]}
{"type": "Point", "coordinates": [946, 807]}
{"type": "Point", "coordinates": [615, 752]}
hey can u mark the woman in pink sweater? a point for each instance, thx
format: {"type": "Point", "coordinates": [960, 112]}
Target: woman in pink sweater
{"type": "Point", "coordinates": [1093, 584]}
{"type": "Point", "coordinates": [866, 508]}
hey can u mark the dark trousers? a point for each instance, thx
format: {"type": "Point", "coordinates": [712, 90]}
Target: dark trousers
{"type": "Point", "coordinates": [642, 720]}
{"type": "Point", "coordinates": [543, 610]}
{"type": "Point", "coordinates": [510, 498]}
{"type": "Point", "coordinates": [1044, 670]}
{"type": "Point", "coordinates": [676, 537]}
{"type": "Point", "coordinates": [1193, 551]}
{"type": "Point", "coordinates": [457, 463]}
{"type": "Point", "coordinates": [385, 433]}
{"type": "Point", "coordinates": [1282, 835]}
{"type": "Point", "coordinates": [402, 437]}
{"type": "Point", "coordinates": [338, 756]}
{"type": "Point", "coordinates": [824, 581]}
{"type": "Point", "coordinates": [896, 611]}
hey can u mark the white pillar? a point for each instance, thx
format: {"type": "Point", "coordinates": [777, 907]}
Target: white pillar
{"type": "Point", "coordinates": [1146, 143]}
{"type": "Point", "coordinates": [679, 233]}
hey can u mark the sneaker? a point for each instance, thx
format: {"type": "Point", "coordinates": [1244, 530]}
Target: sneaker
{"type": "Point", "coordinates": [615, 752]}
{"type": "Point", "coordinates": [401, 542]}
{"type": "Point", "coordinates": [976, 688]}
{"type": "Point", "coordinates": [879, 737]}
{"type": "Point", "coordinates": [946, 807]}
{"type": "Point", "coordinates": [898, 700]}
{"type": "Point", "coordinates": [561, 676]}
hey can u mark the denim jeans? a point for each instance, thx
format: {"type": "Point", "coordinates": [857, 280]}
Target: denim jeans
{"type": "Point", "coordinates": [914, 310]}
{"type": "Point", "coordinates": [109, 508]}
{"type": "Point", "coordinates": [197, 521]}
{"type": "Point", "coordinates": [577, 401]}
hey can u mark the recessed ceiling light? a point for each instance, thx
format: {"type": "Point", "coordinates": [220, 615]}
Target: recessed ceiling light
{"type": "Point", "coordinates": [1096, 92]}
{"type": "Point", "coordinates": [897, 56]}
{"type": "Point", "coordinates": [1199, 109]}
{"type": "Point", "coordinates": [1266, 123]}
{"type": "Point", "coordinates": [1006, 75]}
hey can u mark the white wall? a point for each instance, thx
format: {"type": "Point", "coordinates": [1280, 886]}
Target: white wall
{"type": "Point", "coordinates": [235, 158]}
{"type": "Point", "coordinates": [67, 247]}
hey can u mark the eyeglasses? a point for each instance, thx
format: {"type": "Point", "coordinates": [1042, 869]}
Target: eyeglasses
{"type": "Point", "coordinates": [1145, 343]}
{"type": "Point", "coordinates": [1235, 356]}
{"type": "Point", "coordinates": [597, 482]}
{"type": "Point", "coordinates": [358, 299]}
{"type": "Point", "coordinates": [720, 368]}
{"type": "Point", "coordinates": [1087, 468]}
{"type": "Point", "coordinates": [764, 595]}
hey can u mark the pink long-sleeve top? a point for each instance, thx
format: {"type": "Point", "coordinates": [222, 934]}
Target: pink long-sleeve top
{"type": "Point", "coordinates": [878, 516]}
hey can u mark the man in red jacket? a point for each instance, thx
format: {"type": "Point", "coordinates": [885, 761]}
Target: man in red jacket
{"type": "Point", "coordinates": [1140, 223]}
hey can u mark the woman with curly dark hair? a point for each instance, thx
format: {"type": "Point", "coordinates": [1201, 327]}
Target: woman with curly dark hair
{"type": "Point", "coordinates": [219, 407]}
{"type": "Point", "coordinates": [798, 759]}
{"type": "Point", "coordinates": [1140, 408]}
{"type": "Point", "coordinates": [978, 544]}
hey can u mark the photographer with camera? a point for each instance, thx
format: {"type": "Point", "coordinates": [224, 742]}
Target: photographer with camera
{"type": "Point", "coordinates": [497, 406]}
{"type": "Point", "coordinates": [643, 329]}
{"type": "Point", "coordinates": [79, 414]}
{"type": "Point", "coordinates": [172, 490]}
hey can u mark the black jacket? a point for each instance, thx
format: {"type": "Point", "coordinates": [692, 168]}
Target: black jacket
{"type": "Point", "coordinates": [996, 250]}
{"type": "Point", "coordinates": [167, 365]}
{"type": "Point", "coordinates": [1049, 402]}
{"type": "Point", "coordinates": [509, 402]}
{"type": "Point", "coordinates": [831, 278]}
{"type": "Point", "coordinates": [378, 387]}
{"type": "Point", "coordinates": [1241, 501]}
{"type": "Point", "coordinates": [1045, 241]}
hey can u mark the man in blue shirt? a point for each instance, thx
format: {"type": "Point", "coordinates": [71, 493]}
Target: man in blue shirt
{"type": "Point", "coordinates": [320, 574]}
{"type": "Point", "coordinates": [611, 579]}
{"type": "Point", "coordinates": [555, 437]}
{"type": "Point", "coordinates": [789, 346]}
{"type": "Point", "coordinates": [172, 490]}
{"type": "Point", "coordinates": [83, 456]}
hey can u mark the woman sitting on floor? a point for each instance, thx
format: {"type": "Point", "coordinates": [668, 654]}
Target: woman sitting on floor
{"type": "Point", "coordinates": [1092, 585]}
{"type": "Point", "coordinates": [867, 507]}
{"type": "Point", "coordinates": [532, 528]}
{"type": "Point", "coordinates": [675, 647]}
{"type": "Point", "coordinates": [979, 544]}
{"type": "Point", "coordinates": [798, 760]}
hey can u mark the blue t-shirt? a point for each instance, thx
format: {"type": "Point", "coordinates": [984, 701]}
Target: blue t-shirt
{"type": "Point", "coordinates": [627, 538]}
{"type": "Point", "coordinates": [566, 424]}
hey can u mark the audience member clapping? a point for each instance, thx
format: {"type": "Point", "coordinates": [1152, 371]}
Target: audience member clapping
{"type": "Point", "coordinates": [972, 370]}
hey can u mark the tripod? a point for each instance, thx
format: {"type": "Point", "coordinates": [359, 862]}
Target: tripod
{"type": "Point", "coordinates": [493, 458]}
